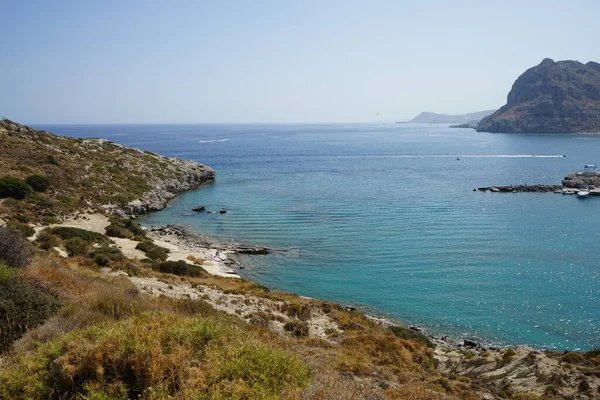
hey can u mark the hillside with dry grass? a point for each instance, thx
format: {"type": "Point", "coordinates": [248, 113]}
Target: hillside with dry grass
{"type": "Point", "coordinates": [80, 174]}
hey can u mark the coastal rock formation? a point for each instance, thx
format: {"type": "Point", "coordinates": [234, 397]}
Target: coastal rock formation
{"type": "Point", "coordinates": [552, 97]}
{"type": "Point", "coordinates": [579, 180]}
{"type": "Point", "coordinates": [191, 176]}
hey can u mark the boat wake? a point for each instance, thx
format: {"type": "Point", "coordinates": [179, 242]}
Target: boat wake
{"type": "Point", "coordinates": [214, 141]}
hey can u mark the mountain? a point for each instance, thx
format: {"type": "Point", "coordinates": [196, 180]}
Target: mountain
{"type": "Point", "coordinates": [552, 97]}
{"type": "Point", "coordinates": [433, 118]}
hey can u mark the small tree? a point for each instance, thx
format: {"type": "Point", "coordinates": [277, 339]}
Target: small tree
{"type": "Point", "coordinates": [15, 251]}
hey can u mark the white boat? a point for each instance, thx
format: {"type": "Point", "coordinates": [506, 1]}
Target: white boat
{"type": "Point", "coordinates": [564, 191]}
{"type": "Point", "coordinates": [583, 193]}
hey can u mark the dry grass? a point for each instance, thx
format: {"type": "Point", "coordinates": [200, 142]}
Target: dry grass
{"type": "Point", "coordinates": [110, 340]}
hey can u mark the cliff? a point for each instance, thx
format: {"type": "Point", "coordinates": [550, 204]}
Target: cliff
{"type": "Point", "coordinates": [552, 97]}
{"type": "Point", "coordinates": [88, 173]}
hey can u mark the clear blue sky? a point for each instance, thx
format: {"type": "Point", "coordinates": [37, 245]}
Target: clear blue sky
{"type": "Point", "coordinates": [276, 61]}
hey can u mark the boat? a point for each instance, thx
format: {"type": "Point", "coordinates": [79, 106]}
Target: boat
{"type": "Point", "coordinates": [583, 192]}
{"type": "Point", "coordinates": [567, 191]}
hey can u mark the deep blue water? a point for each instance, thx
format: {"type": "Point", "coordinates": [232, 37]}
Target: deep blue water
{"type": "Point", "coordinates": [384, 216]}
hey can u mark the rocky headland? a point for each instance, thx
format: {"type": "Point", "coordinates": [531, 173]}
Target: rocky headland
{"type": "Point", "coordinates": [95, 174]}
{"type": "Point", "coordinates": [552, 97]}
{"type": "Point", "coordinates": [435, 118]}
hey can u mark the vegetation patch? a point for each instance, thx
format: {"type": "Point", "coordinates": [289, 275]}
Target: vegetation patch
{"type": "Point", "coordinates": [155, 356]}
{"type": "Point", "coordinates": [22, 307]}
{"type": "Point", "coordinates": [15, 251]}
{"type": "Point", "coordinates": [153, 251]}
{"type": "Point", "coordinates": [409, 334]}
{"type": "Point", "coordinates": [66, 233]}
{"type": "Point", "coordinates": [38, 183]}
{"type": "Point", "coordinates": [26, 230]}
{"type": "Point", "coordinates": [180, 268]}
{"type": "Point", "coordinates": [14, 187]}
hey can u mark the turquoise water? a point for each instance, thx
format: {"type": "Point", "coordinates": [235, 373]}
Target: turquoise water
{"type": "Point", "coordinates": [384, 216]}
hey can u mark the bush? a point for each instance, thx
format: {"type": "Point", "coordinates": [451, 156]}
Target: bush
{"type": "Point", "coordinates": [77, 247]}
{"type": "Point", "coordinates": [134, 227]}
{"type": "Point", "coordinates": [52, 160]}
{"type": "Point", "coordinates": [22, 307]}
{"type": "Point", "coordinates": [409, 334]}
{"type": "Point", "coordinates": [118, 231]}
{"type": "Point", "coordinates": [297, 328]}
{"type": "Point", "coordinates": [14, 187]}
{"type": "Point", "coordinates": [103, 256]}
{"type": "Point", "coordinates": [66, 233]}
{"type": "Point", "coordinates": [179, 268]}
{"type": "Point", "coordinates": [38, 183]}
{"type": "Point", "coordinates": [153, 251]}
{"type": "Point", "coordinates": [15, 251]}
{"type": "Point", "coordinates": [25, 229]}
{"type": "Point", "coordinates": [46, 240]}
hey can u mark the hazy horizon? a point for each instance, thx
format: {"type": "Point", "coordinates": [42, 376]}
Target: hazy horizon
{"type": "Point", "coordinates": [150, 62]}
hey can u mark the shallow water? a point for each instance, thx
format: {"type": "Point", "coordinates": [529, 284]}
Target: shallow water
{"type": "Point", "coordinates": [384, 216]}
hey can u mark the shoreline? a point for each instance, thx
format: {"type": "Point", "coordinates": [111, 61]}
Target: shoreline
{"type": "Point", "coordinates": [221, 261]}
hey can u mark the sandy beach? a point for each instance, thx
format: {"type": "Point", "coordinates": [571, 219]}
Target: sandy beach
{"type": "Point", "coordinates": [215, 258]}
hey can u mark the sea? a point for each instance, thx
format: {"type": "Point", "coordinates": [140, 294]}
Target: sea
{"type": "Point", "coordinates": [383, 217]}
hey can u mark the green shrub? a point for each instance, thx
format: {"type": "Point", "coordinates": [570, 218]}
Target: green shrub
{"type": "Point", "coordinates": [103, 256]}
{"type": "Point", "coordinates": [409, 334]}
{"type": "Point", "coordinates": [14, 187]}
{"type": "Point", "coordinates": [52, 160]}
{"type": "Point", "coordinates": [22, 307]}
{"type": "Point", "coordinates": [117, 231]}
{"type": "Point", "coordinates": [134, 227]}
{"type": "Point", "coordinates": [66, 233]}
{"type": "Point", "coordinates": [15, 251]}
{"type": "Point", "coordinates": [38, 183]}
{"type": "Point", "coordinates": [26, 230]}
{"type": "Point", "coordinates": [573, 358]}
{"type": "Point", "coordinates": [296, 328]}
{"type": "Point", "coordinates": [179, 268]}
{"type": "Point", "coordinates": [153, 251]}
{"type": "Point", "coordinates": [46, 240]}
{"type": "Point", "coordinates": [77, 247]}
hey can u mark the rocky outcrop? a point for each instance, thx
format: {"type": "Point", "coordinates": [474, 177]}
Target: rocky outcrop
{"type": "Point", "coordinates": [552, 97]}
{"type": "Point", "coordinates": [523, 370]}
{"type": "Point", "coordinates": [578, 180]}
{"type": "Point", "coordinates": [191, 176]}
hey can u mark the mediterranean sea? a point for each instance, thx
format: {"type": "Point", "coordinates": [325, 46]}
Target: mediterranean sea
{"type": "Point", "coordinates": [384, 217]}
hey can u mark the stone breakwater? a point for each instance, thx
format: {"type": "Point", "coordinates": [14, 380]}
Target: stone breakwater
{"type": "Point", "coordinates": [521, 188]}
{"type": "Point", "coordinates": [191, 175]}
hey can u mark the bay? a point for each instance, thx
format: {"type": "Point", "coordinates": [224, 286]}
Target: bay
{"type": "Point", "coordinates": [384, 216]}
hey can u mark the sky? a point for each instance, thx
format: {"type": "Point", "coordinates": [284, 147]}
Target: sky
{"type": "Point", "coordinates": [289, 61]}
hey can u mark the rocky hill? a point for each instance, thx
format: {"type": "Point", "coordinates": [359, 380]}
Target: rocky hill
{"type": "Point", "coordinates": [86, 174]}
{"type": "Point", "coordinates": [434, 118]}
{"type": "Point", "coordinates": [552, 97]}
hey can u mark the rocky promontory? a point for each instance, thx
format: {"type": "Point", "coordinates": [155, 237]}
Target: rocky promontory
{"type": "Point", "coordinates": [552, 97]}
{"type": "Point", "coordinates": [89, 174]}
